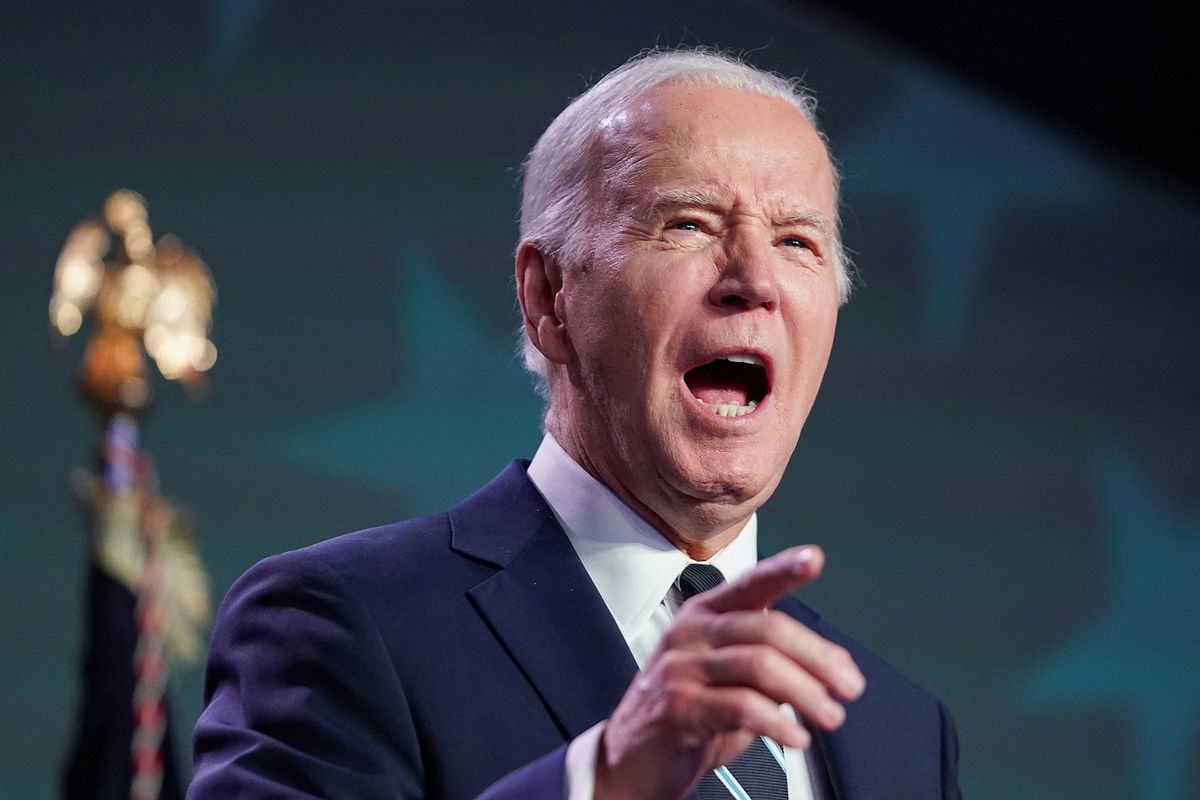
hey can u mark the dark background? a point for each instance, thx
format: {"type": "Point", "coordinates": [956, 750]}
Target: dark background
{"type": "Point", "coordinates": [1002, 463]}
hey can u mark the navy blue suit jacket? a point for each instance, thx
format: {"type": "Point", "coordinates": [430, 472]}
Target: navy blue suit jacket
{"type": "Point", "coordinates": [454, 656]}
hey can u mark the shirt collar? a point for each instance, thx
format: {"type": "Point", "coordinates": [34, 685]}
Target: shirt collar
{"type": "Point", "coordinates": [632, 565]}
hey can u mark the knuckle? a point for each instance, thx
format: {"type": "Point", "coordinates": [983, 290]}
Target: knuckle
{"type": "Point", "coordinates": [745, 626]}
{"type": "Point", "coordinates": [774, 625]}
{"type": "Point", "coordinates": [686, 630]}
{"type": "Point", "coordinates": [673, 664]}
{"type": "Point", "coordinates": [676, 635]}
{"type": "Point", "coordinates": [680, 700]}
{"type": "Point", "coordinates": [760, 662]}
{"type": "Point", "coordinates": [741, 709]}
{"type": "Point", "coordinates": [719, 629]}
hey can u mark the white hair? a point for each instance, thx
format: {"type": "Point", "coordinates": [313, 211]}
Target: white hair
{"type": "Point", "coordinates": [565, 164]}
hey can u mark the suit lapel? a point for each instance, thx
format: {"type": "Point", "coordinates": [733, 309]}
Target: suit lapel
{"type": "Point", "coordinates": [547, 614]}
{"type": "Point", "coordinates": [541, 604]}
{"type": "Point", "coordinates": [832, 753]}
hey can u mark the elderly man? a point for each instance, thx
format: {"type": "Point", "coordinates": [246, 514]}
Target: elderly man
{"type": "Point", "coordinates": [595, 624]}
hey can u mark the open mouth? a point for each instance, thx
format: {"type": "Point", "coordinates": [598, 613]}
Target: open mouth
{"type": "Point", "coordinates": [729, 386]}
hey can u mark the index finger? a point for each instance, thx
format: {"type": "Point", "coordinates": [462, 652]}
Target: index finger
{"type": "Point", "coordinates": [768, 582]}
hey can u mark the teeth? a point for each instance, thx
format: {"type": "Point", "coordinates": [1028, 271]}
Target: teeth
{"type": "Point", "coordinates": [743, 358]}
{"type": "Point", "coordinates": [731, 409]}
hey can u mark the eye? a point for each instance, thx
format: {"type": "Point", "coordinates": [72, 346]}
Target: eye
{"type": "Point", "coordinates": [686, 225]}
{"type": "Point", "coordinates": [796, 241]}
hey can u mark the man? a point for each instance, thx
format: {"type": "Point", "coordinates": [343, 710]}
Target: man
{"type": "Point", "coordinates": [679, 276]}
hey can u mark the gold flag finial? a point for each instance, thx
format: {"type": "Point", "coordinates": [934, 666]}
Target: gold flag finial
{"type": "Point", "coordinates": [145, 298]}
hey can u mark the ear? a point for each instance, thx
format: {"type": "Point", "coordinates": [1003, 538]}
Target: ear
{"type": "Point", "coordinates": [539, 290]}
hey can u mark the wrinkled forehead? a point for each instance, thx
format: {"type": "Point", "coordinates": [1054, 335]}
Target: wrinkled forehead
{"type": "Point", "coordinates": [717, 139]}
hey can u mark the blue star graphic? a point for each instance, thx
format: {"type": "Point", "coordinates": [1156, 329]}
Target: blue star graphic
{"type": "Point", "coordinates": [957, 158]}
{"type": "Point", "coordinates": [232, 23]}
{"type": "Point", "coordinates": [1142, 650]}
{"type": "Point", "coordinates": [465, 409]}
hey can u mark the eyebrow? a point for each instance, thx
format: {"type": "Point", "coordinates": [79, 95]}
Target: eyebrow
{"type": "Point", "coordinates": [811, 219]}
{"type": "Point", "coordinates": [670, 199]}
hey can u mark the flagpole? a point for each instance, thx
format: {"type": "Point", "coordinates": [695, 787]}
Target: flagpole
{"type": "Point", "coordinates": [153, 299]}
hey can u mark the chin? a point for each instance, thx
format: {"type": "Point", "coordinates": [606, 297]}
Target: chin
{"type": "Point", "coordinates": [726, 479]}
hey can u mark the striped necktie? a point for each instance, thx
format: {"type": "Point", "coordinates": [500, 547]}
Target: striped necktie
{"type": "Point", "coordinates": [758, 773]}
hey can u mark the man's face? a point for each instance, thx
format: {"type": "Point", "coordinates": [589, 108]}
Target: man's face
{"type": "Point", "coordinates": [702, 318]}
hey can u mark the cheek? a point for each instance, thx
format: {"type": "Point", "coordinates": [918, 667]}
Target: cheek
{"type": "Point", "coordinates": [645, 310]}
{"type": "Point", "coordinates": [813, 306]}
{"type": "Point", "coordinates": [824, 324]}
{"type": "Point", "coordinates": [669, 289]}
{"type": "Point", "coordinates": [812, 332]}
{"type": "Point", "coordinates": [818, 343]}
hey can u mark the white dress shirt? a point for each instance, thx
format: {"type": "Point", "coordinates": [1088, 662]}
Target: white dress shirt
{"type": "Point", "coordinates": [634, 568]}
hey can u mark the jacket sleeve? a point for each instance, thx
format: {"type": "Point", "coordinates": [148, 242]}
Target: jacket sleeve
{"type": "Point", "coordinates": [541, 780]}
{"type": "Point", "coordinates": [302, 699]}
{"type": "Point", "coordinates": [950, 788]}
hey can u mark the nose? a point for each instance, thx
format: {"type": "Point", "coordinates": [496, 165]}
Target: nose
{"type": "Point", "coordinates": [745, 279]}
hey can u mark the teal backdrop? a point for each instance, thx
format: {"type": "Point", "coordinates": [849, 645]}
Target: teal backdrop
{"type": "Point", "coordinates": [1001, 466]}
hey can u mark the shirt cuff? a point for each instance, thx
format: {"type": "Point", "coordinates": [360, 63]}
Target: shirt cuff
{"type": "Point", "coordinates": [579, 776]}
